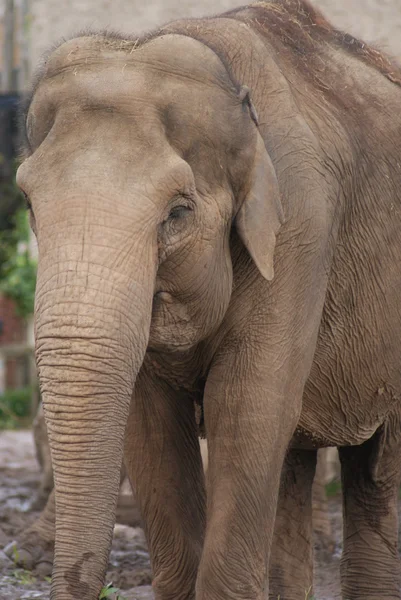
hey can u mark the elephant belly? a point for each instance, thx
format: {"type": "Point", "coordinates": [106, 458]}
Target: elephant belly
{"type": "Point", "coordinates": [355, 380]}
{"type": "Point", "coordinates": [336, 415]}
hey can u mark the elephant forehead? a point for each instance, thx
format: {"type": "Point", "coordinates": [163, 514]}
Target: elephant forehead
{"type": "Point", "coordinates": [171, 69]}
{"type": "Point", "coordinates": [170, 82]}
{"type": "Point", "coordinates": [110, 64]}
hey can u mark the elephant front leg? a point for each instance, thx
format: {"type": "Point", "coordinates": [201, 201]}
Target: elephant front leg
{"type": "Point", "coordinates": [291, 563]}
{"type": "Point", "coordinates": [370, 565]}
{"type": "Point", "coordinates": [248, 432]}
{"type": "Point", "coordinates": [163, 461]}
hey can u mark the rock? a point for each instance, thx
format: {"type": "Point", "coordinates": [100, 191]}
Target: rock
{"type": "Point", "coordinates": [144, 592]}
{"type": "Point", "coordinates": [10, 549]}
{"type": "Point", "coordinates": [4, 560]}
{"type": "Point", "coordinates": [3, 538]}
{"type": "Point", "coordinates": [127, 510]}
{"type": "Point", "coordinates": [129, 534]}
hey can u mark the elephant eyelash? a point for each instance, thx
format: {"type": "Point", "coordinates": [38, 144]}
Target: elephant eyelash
{"type": "Point", "coordinates": [184, 205]}
{"type": "Point", "coordinates": [179, 212]}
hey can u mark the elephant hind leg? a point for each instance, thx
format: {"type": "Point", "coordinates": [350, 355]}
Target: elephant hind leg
{"type": "Point", "coordinates": [291, 562]}
{"type": "Point", "coordinates": [163, 461]}
{"type": "Point", "coordinates": [370, 565]}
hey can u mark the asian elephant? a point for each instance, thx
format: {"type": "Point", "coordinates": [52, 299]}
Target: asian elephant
{"type": "Point", "coordinates": [217, 207]}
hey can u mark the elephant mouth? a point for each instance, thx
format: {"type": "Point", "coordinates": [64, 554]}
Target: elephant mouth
{"type": "Point", "coordinates": [172, 327]}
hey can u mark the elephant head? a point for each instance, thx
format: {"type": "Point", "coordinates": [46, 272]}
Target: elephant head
{"type": "Point", "coordinates": [140, 158]}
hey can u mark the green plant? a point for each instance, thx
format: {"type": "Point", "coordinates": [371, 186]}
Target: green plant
{"type": "Point", "coordinates": [19, 283]}
{"type": "Point", "coordinates": [333, 488]}
{"type": "Point", "coordinates": [18, 271]}
{"type": "Point", "coordinates": [11, 198]}
{"type": "Point", "coordinates": [12, 201]}
{"type": "Point", "coordinates": [15, 407]}
{"type": "Point", "coordinates": [108, 591]}
{"type": "Point", "coordinates": [23, 577]}
{"type": "Point", "coordinates": [308, 594]}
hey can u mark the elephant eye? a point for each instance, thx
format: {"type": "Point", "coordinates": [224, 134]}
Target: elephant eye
{"type": "Point", "coordinates": [179, 212]}
{"type": "Point", "coordinates": [178, 219]}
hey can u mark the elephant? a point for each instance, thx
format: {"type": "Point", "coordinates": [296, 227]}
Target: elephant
{"type": "Point", "coordinates": [217, 209]}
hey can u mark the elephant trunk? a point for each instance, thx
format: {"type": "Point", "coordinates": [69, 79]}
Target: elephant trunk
{"type": "Point", "coordinates": [92, 327]}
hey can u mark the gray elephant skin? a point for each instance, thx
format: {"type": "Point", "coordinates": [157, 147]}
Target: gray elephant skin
{"type": "Point", "coordinates": [217, 208]}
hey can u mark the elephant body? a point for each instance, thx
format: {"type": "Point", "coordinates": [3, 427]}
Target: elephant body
{"type": "Point", "coordinates": [226, 231]}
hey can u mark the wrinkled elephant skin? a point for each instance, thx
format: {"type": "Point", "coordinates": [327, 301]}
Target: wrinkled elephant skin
{"type": "Point", "coordinates": [217, 208]}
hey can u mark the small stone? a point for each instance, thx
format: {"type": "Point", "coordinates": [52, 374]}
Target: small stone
{"type": "Point", "coordinates": [144, 592]}
{"type": "Point", "coordinates": [10, 549]}
{"type": "Point", "coordinates": [5, 562]}
{"type": "Point", "coordinates": [129, 533]}
{"type": "Point", "coordinates": [3, 538]}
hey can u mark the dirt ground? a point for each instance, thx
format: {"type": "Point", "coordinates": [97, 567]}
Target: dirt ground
{"type": "Point", "coordinates": [373, 20]}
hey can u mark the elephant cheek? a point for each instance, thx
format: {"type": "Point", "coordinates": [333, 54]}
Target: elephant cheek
{"type": "Point", "coordinates": [172, 327]}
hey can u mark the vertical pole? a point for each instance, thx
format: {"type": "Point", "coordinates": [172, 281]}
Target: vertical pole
{"type": "Point", "coordinates": [2, 373]}
{"type": "Point", "coordinates": [8, 48]}
{"type": "Point", "coordinates": [25, 44]}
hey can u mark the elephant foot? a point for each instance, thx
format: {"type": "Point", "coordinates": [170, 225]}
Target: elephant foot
{"type": "Point", "coordinates": [33, 553]}
{"type": "Point", "coordinates": [34, 549]}
{"type": "Point", "coordinates": [324, 547]}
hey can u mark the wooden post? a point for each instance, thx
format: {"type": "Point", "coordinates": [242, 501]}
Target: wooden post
{"type": "Point", "coordinates": [25, 45]}
{"type": "Point", "coordinates": [2, 373]}
{"type": "Point", "coordinates": [8, 48]}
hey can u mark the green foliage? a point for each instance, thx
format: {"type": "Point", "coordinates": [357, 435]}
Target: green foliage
{"type": "Point", "coordinates": [108, 591]}
{"type": "Point", "coordinates": [15, 406]}
{"type": "Point", "coordinates": [333, 488]}
{"type": "Point", "coordinates": [11, 199]}
{"type": "Point", "coordinates": [23, 577]}
{"type": "Point", "coordinates": [11, 202]}
{"type": "Point", "coordinates": [18, 281]}
{"type": "Point", "coordinates": [17, 269]}
{"type": "Point", "coordinates": [15, 554]}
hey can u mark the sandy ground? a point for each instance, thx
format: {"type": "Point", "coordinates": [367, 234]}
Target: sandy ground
{"type": "Point", "coordinates": [129, 567]}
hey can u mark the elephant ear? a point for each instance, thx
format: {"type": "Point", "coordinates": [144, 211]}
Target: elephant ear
{"type": "Point", "coordinates": [261, 214]}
